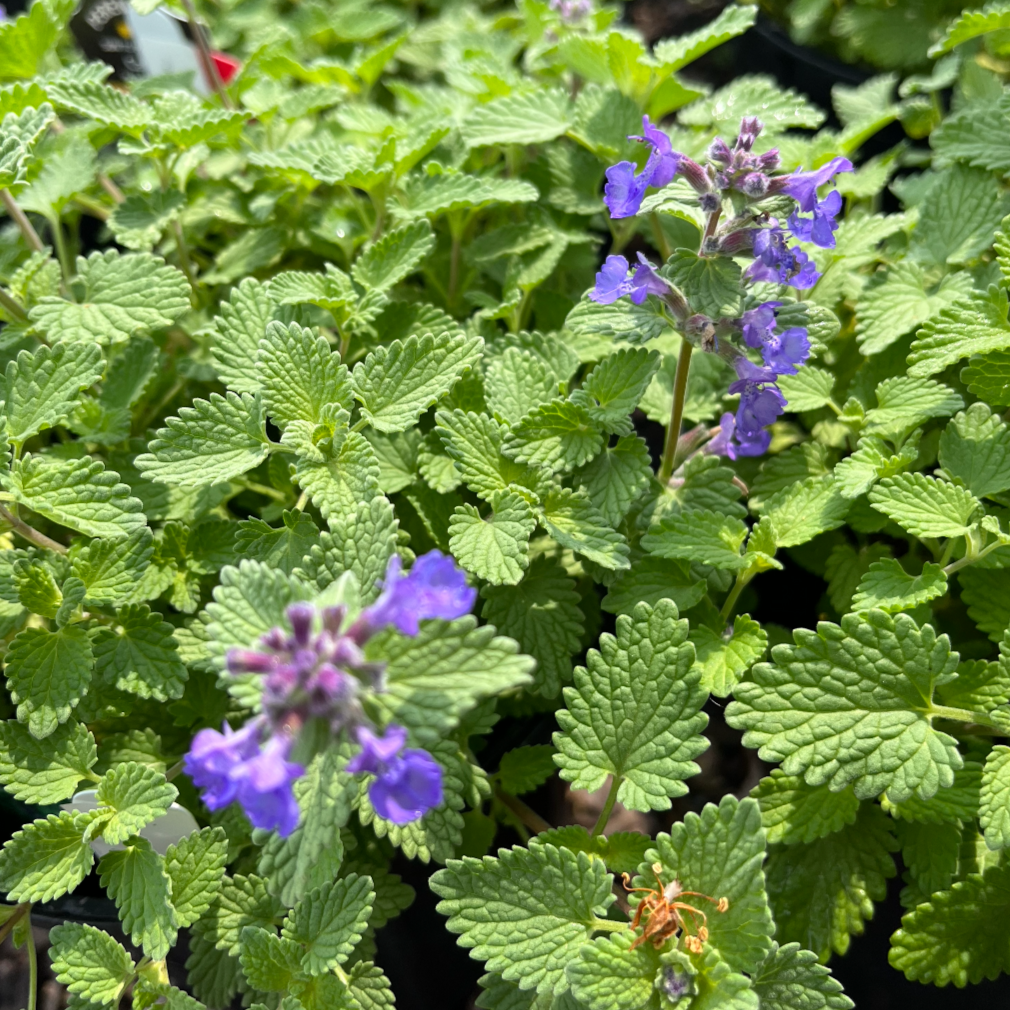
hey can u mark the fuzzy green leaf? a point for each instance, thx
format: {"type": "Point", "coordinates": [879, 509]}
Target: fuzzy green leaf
{"type": "Point", "coordinates": [90, 963]}
{"type": "Point", "coordinates": [574, 522]}
{"type": "Point", "coordinates": [925, 506]}
{"type": "Point", "coordinates": [988, 377]}
{"type": "Point", "coordinates": [395, 256]}
{"type": "Point", "coordinates": [975, 449]}
{"type": "Point", "coordinates": [617, 477]}
{"type": "Point", "coordinates": [131, 796]}
{"type": "Point", "coordinates": [48, 771]}
{"type": "Point", "coordinates": [975, 324]}
{"type": "Point", "coordinates": [46, 858]}
{"type": "Point", "coordinates": [195, 867]}
{"type": "Point", "coordinates": [801, 512]}
{"type": "Point", "coordinates": [559, 435]}
{"type": "Point", "coordinates": [994, 809]}
{"type": "Point", "coordinates": [520, 118]}
{"type": "Point", "coordinates": [651, 580]}
{"type": "Point", "coordinates": [699, 535]}
{"type": "Point", "coordinates": [887, 586]}
{"type": "Point", "coordinates": [792, 811]}
{"type": "Point", "coordinates": [790, 977]}
{"type": "Point", "coordinates": [904, 402]}
{"type": "Point", "coordinates": [723, 659]}
{"type": "Point", "coordinates": [495, 549]}
{"type": "Point", "coordinates": [884, 672]}
{"type": "Point", "coordinates": [635, 711]}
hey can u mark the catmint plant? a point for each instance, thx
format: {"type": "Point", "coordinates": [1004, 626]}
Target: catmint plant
{"type": "Point", "coordinates": [397, 441]}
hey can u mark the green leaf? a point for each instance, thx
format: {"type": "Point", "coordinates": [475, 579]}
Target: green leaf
{"type": "Point", "coordinates": [474, 442]}
{"type": "Point", "coordinates": [794, 812]}
{"type": "Point", "coordinates": [975, 449]}
{"type": "Point", "coordinates": [887, 586]}
{"type": "Point", "coordinates": [622, 320]}
{"type": "Point", "coordinates": [46, 858]}
{"type": "Point", "coordinates": [975, 324]}
{"type": "Point", "coordinates": [617, 477]}
{"type": "Point", "coordinates": [214, 440]}
{"type": "Point", "coordinates": [139, 655]}
{"type": "Point", "coordinates": [925, 506]}
{"type": "Point", "coordinates": [699, 535]}
{"type": "Point", "coordinates": [994, 809]}
{"type": "Point", "coordinates": [111, 569]}
{"type": "Point", "coordinates": [343, 478]}
{"type": "Point", "coordinates": [894, 303]}
{"type": "Point", "coordinates": [102, 103]}
{"type": "Point", "coordinates": [903, 403]}
{"type": "Point", "coordinates": [311, 855]}
{"type": "Point", "coordinates": [984, 591]}
{"type": "Point", "coordinates": [395, 256]}
{"type": "Point", "coordinates": [397, 382]}
{"type": "Point", "coordinates": [269, 962]}
{"type": "Point", "coordinates": [25, 40]}
{"type": "Point", "coordinates": [242, 901]}
{"type": "Point", "coordinates": [36, 587]}
{"type": "Point", "coordinates": [438, 194]}
{"type": "Point", "coordinates": [48, 672]}
{"type": "Point", "coordinates": [790, 977]}
{"type": "Point", "coordinates": [559, 436]}
{"type": "Point", "coordinates": [574, 522]}
{"type": "Point", "coordinates": [239, 329]}
{"type": "Point", "coordinates": [525, 913]}
{"type": "Point", "coordinates": [330, 921]}
{"type": "Point", "coordinates": [543, 615]}
{"type": "Point", "coordinates": [90, 963]}
{"type": "Point", "coordinates": [723, 659]}
{"type": "Point", "coordinates": [969, 25]}
{"type": "Point", "coordinates": [195, 867]}
{"type": "Point", "coordinates": [41, 389]}
{"type": "Point", "coordinates": [495, 549]}
{"type": "Point", "coordinates": [516, 382]}
{"type": "Point", "coordinates": [801, 512]}
{"type": "Point", "coordinates": [212, 974]}
{"type": "Point", "coordinates": [526, 768]}
{"type": "Point", "coordinates": [941, 941]}
{"type": "Point", "coordinates": [438, 675]}
{"type": "Point", "coordinates": [123, 295]}
{"type": "Point", "coordinates": [884, 672]}
{"type": "Point", "coordinates": [614, 387]}
{"type": "Point", "coordinates": [753, 95]}
{"type": "Point", "coordinates": [822, 892]}
{"type": "Point", "coordinates": [712, 284]}
{"type": "Point", "coordinates": [300, 375]}
{"type": "Point", "coordinates": [635, 711]}
{"type": "Point", "coordinates": [809, 389]}
{"type": "Point", "coordinates": [132, 796]}
{"type": "Point", "coordinates": [930, 852]}
{"type": "Point", "coordinates": [281, 547]}
{"type": "Point", "coordinates": [679, 52]}
{"type": "Point", "coordinates": [651, 580]}
{"type": "Point", "coordinates": [361, 542]}
{"type": "Point", "coordinates": [873, 459]}
{"type": "Point", "coordinates": [959, 802]}
{"type": "Point", "coordinates": [45, 772]}
{"type": "Point", "coordinates": [141, 219]}
{"type": "Point", "coordinates": [988, 377]}
{"type": "Point", "coordinates": [608, 975]}
{"type": "Point", "coordinates": [78, 493]}
{"type": "Point", "coordinates": [719, 853]}
{"type": "Point", "coordinates": [958, 215]}
{"type": "Point", "coordinates": [135, 879]}
{"type": "Point", "coordinates": [531, 117]}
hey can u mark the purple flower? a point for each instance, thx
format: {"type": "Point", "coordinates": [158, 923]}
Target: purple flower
{"type": "Point", "coordinates": [760, 399]}
{"type": "Point", "coordinates": [624, 190]}
{"type": "Point", "coordinates": [231, 766]}
{"type": "Point", "coordinates": [802, 186]}
{"type": "Point", "coordinates": [745, 444]}
{"type": "Point", "coordinates": [785, 352]}
{"type": "Point", "coordinates": [776, 262]}
{"type": "Point", "coordinates": [408, 782]}
{"type": "Point", "coordinates": [612, 281]}
{"type": "Point", "coordinates": [820, 228]}
{"type": "Point", "coordinates": [433, 588]}
{"type": "Point", "coordinates": [759, 323]}
{"type": "Point", "coordinates": [664, 161]}
{"type": "Point", "coordinates": [750, 130]}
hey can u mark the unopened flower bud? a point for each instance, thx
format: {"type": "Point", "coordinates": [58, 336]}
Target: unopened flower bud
{"type": "Point", "coordinates": [736, 242]}
{"type": "Point", "coordinates": [754, 185]}
{"type": "Point", "coordinates": [769, 161]}
{"type": "Point", "coordinates": [750, 128]}
{"type": "Point", "coordinates": [710, 202]}
{"type": "Point", "coordinates": [719, 151]}
{"type": "Point", "coordinates": [695, 175]}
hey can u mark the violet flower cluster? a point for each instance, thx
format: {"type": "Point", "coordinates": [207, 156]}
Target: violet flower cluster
{"type": "Point", "coordinates": [317, 671]}
{"type": "Point", "coordinates": [745, 180]}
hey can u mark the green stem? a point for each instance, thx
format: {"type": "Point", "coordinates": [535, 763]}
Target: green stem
{"type": "Point", "coordinates": [739, 586]}
{"type": "Point", "coordinates": [20, 218]}
{"type": "Point", "coordinates": [185, 261]}
{"type": "Point", "coordinates": [961, 715]}
{"type": "Point", "coordinates": [33, 967]}
{"type": "Point", "coordinates": [29, 533]}
{"type": "Point", "coordinates": [608, 806]}
{"type": "Point", "coordinates": [264, 489]}
{"type": "Point", "coordinates": [608, 925]}
{"type": "Point", "coordinates": [19, 913]}
{"type": "Point", "coordinates": [947, 551]}
{"type": "Point", "coordinates": [303, 500]}
{"type": "Point", "coordinates": [12, 306]}
{"type": "Point", "coordinates": [669, 461]}
{"type": "Point", "coordinates": [526, 814]}
{"type": "Point", "coordinates": [173, 771]}
{"type": "Point", "coordinates": [956, 566]}
{"type": "Point", "coordinates": [660, 236]}
{"type": "Point", "coordinates": [62, 253]}
{"type": "Point", "coordinates": [457, 246]}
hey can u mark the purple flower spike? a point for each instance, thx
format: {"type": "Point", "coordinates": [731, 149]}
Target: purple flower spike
{"type": "Point", "coordinates": [408, 782]}
{"type": "Point", "coordinates": [820, 228]}
{"type": "Point", "coordinates": [624, 190]}
{"type": "Point", "coordinates": [802, 186]}
{"type": "Point", "coordinates": [301, 616]}
{"type": "Point", "coordinates": [612, 281]}
{"type": "Point", "coordinates": [776, 262]}
{"type": "Point", "coordinates": [734, 444]}
{"type": "Point", "coordinates": [265, 788]}
{"type": "Point", "coordinates": [433, 588]}
{"type": "Point", "coordinates": [760, 399]}
{"type": "Point", "coordinates": [785, 352]}
{"type": "Point", "coordinates": [646, 282]}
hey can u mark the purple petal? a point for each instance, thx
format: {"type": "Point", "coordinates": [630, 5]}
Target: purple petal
{"type": "Point", "coordinates": [408, 789]}
{"type": "Point", "coordinates": [624, 190]}
{"type": "Point", "coordinates": [301, 616]}
{"type": "Point", "coordinates": [376, 751]}
{"type": "Point", "coordinates": [611, 281]}
{"type": "Point", "coordinates": [802, 186]}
